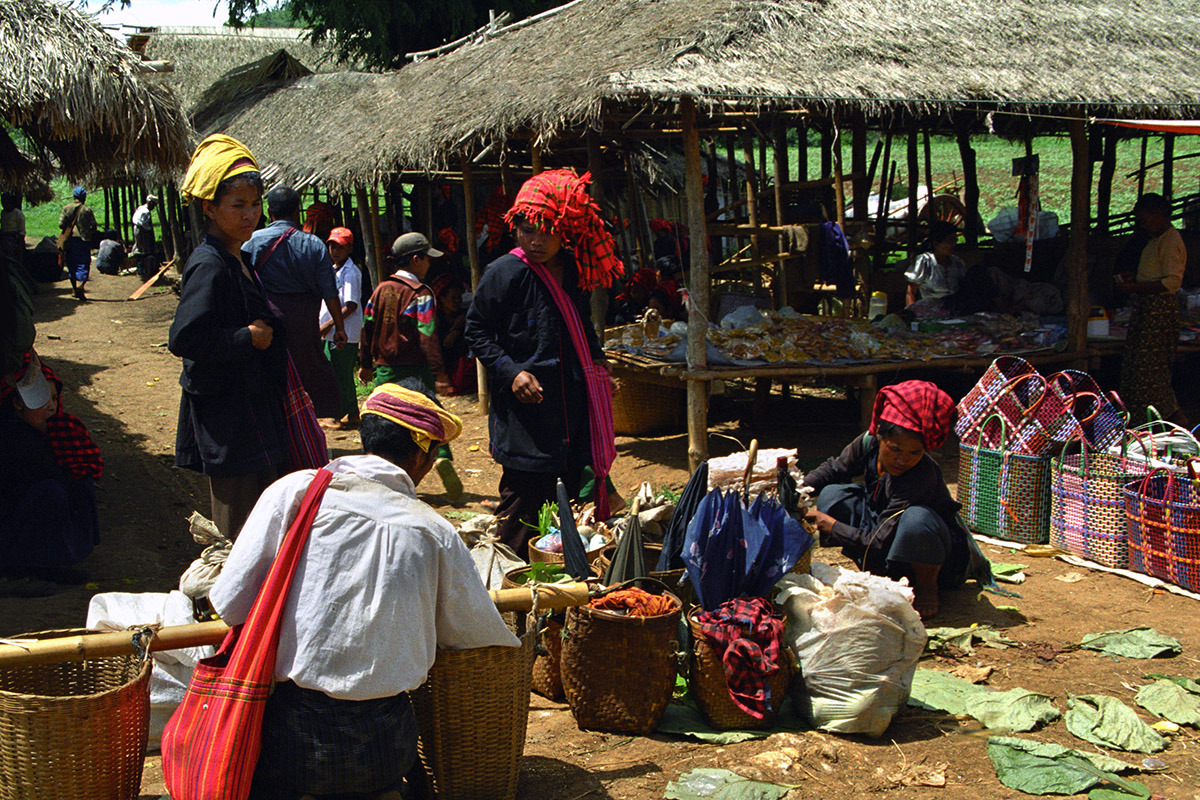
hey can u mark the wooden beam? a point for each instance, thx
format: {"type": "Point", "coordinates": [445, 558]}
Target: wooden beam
{"type": "Point", "coordinates": [820, 182]}
{"type": "Point", "coordinates": [697, 391]}
{"type": "Point", "coordinates": [1081, 204]}
{"type": "Point", "coordinates": [476, 268]}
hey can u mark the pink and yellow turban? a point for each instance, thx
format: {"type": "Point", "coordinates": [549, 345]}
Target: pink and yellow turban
{"type": "Point", "coordinates": [410, 409]}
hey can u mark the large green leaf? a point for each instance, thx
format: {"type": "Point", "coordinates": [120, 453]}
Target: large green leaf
{"type": "Point", "coordinates": [1133, 643]}
{"type": "Point", "coordinates": [965, 638]}
{"type": "Point", "coordinates": [1170, 700]}
{"type": "Point", "coordinates": [1046, 768]}
{"type": "Point", "coordinates": [1014, 710]}
{"type": "Point", "coordinates": [721, 784]}
{"type": "Point", "coordinates": [1108, 722]}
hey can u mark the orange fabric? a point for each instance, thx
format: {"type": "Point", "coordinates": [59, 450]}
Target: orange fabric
{"type": "Point", "coordinates": [636, 602]}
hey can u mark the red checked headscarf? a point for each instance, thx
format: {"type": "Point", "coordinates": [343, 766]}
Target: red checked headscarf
{"type": "Point", "coordinates": [558, 201]}
{"type": "Point", "coordinates": [69, 440]}
{"type": "Point", "coordinates": [917, 405]}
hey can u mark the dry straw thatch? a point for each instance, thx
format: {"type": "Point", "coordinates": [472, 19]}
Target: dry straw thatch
{"type": "Point", "coordinates": [1132, 58]}
{"type": "Point", "coordinates": [76, 97]}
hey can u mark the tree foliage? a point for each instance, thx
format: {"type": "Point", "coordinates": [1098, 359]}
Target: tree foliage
{"type": "Point", "coordinates": [377, 33]}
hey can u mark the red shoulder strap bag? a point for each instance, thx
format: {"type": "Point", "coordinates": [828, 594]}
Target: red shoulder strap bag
{"type": "Point", "coordinates": [211, 744]}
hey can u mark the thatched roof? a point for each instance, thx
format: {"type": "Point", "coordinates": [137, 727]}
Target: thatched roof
{"type": "Point", "coordinates": [73, 99]}
{"type": "Point", "coordinates": [201, 56]}
{"type": "Point", "coordinates": [1129, 58]}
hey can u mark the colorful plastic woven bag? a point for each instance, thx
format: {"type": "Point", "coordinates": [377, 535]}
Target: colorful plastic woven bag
{"type": "Point", "coordinates": [210, 745]}
{"type": "Point", "coordinates": [1087, 504]}
{"type": "Point", "coordinates": [1004, 494]}
{"type": "Point", "coordinates": [1010, 387]}
{"type": "Point", "coordinates": [1163, 515]}
{"type": "Point", "coordinates": [1160, 443]}
{"type": "Point", "coordinates": [1101, 417]}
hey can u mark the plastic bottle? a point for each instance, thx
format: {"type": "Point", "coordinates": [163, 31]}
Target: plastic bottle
{"type": "Point", "coordinates": [878, 305]}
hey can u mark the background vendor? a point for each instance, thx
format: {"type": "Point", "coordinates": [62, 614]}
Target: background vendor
{"type": "Point", "coordinates": [1154, 325]}
{"type": "Point", "coordinates": [900, 521]}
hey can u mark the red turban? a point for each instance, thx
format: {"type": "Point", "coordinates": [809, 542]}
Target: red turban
{"type": "Point", "coordinates": [558, 201]}
{"type": "Point", "coordinates": [918, 406]}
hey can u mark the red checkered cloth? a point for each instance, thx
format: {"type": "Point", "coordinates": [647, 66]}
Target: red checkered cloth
{"type": "Point", "coordinates": [72, 445]}
{"type": "Point", "coordinates": [919, 406]}
{"type": "Point", "coordinates": [749, 639]}
{"type": "Point", "coordinates": [558, 201]}
{"type": "Point", "coordinates": [448, 239]}
{"type": "Point", "coordinates": [492, 215]}
{"type": "Point", "coordinates": [318, 219]}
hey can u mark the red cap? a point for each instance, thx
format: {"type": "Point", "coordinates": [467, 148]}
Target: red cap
{"type": "Point", "coordinates": [342, 236]}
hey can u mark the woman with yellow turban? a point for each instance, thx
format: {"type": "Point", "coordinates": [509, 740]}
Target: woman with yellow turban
{"type": "Point", "coordinates": [232, 423]}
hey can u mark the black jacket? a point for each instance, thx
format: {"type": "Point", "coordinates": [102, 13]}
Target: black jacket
{"type": "Point", "coordinates": [231, 417]}
{"type": "Point", "coordinates": [514, 326]}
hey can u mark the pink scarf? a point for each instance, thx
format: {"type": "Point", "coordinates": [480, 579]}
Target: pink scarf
{"type": "Point", "coordinates": [599, 391]}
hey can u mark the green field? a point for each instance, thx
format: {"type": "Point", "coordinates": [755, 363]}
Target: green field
{"type": "Point", "coordinates": [993, 154]}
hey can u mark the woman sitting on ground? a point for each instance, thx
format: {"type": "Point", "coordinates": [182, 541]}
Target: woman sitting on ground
{"type": "Point", "coordinates": [901, 521]}
{"type": "Point", "coordinates": [939, 283]}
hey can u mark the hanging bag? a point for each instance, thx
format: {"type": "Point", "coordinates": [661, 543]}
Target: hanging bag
{"type": "Point", "coordinates": [1162, 511]}
{"type": "Point", "coordinates": [211, 744]}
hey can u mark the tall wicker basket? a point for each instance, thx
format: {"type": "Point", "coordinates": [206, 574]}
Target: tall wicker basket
{"type": "Point", "coordinates": [710, 687]}
{"type": "Point", "coordinates": [76, 729]}
{"type": "Point", "coordinates": [472, 711]}
{"type": "Point", "coordinates": [618, 672]}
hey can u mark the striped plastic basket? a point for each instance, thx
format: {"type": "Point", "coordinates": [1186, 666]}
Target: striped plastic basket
{"type": "Point", "coordinates": [1087, 504]}
{"type": "Point", "coordinates": [1101, 417]}
{"type": "Point", "coordinates": [1162, 511]}
{"type": "Point", "coordinates": [1004, 494]}
{"type": "Point", "coordinates": [1010, 387]}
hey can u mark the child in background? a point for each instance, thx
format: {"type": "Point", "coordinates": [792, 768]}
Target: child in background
{"type": "Point", "coordinates": [349, 286]}
{"type": "Point", "coordinates": [451, 322]}
{"type": "Point", "coordinates": [936, 273]}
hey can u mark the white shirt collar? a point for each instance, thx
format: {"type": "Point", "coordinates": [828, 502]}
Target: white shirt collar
{"type": "Point", "coordinates": [403, 273]}
{"type": "Point", "coordinates": [374, 468]}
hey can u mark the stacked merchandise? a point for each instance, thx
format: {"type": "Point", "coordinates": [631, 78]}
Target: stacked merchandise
{"type": "Point", "coordinates": [1011, 426]}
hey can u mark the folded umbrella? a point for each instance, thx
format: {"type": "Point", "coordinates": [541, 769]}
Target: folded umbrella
{"type": "Point", "coordinates": [629, 560]}
{"type": "Point", "coordinates": [685, 509]}
{"type": "Point", "coordinates": [574, 555]}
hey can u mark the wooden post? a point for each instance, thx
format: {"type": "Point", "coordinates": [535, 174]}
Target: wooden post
{"type": "Point", "coordinates": [107, 211]}
{"type": "Point", "coordinates": [364, 222]}
{"type": "Point", "coordinates": [535, 158]}
{"type": "Point", "coordinates": [382, 249]}
{"type": "Point", "coordinates": [826, 153]}
{"type": "Point", "coordinates": [1142, 168]}
{"type": "Point", "coordinates": [802, 152]}
{"type": "Point", "coordinates": [884, 177]}
{"type": "Point", "coordinates": [914, 178]}
{"type": "Point", "coordinates": [970, 182]}
{"type": "Point", "coordinates": [163, 228]}
{"type": "Point", "coordinates": [732, 162]}
{"type": "Point", "coordinates": [861, 186]}
{"type": "Point", "coordinates": [168, 206]}
{"type": "Point", "coordinates": [1168, 179]}
{"type": "Point", "coordinates": [779, 149]}
{"type": "Point", "coordinates": [928, 168]}
{"type": "Point", "coordinates": [697, 391]}
{"type": "Point", "coordinates": [839, 187]}
{"type": "Point", "coordinates": [711, 194]}
{"type": "Point", "coordinates": [752, 206]}
{"type": "Point", "coordinates": [476, 267]}
{"type": "Point", "coordinates": [196, 220]}
{"type": "Point", "coordinates": [1081, 204]}
{"type": "Point", "coordinates": [1108, 167]}
{"type": "Point", "coordinates": [599, 298]}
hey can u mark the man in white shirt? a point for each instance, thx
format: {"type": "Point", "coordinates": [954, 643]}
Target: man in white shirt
{"type": "Point", "coordinates": [145, 250]}
{"type": "Point", "coordinates": [382, 583]}
{"type": "Point", "coordinates": [349, 287]}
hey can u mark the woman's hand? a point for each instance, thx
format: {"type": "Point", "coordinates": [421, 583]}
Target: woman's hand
{"type": "Point", "coordinates": [261, 334]}
{"type": "Point", "coordinates": [823, 521]}
{"type": "Point", "coordinates": [366, 375]}
{"type": "Point", "coordinates": [526, 388]}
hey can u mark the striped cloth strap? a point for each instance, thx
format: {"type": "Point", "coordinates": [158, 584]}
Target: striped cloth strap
{"type": "Point", "coordinates": [599, 390]}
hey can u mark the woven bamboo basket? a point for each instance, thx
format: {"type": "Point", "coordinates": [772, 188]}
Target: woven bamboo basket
{"type": "Point", "coordinates": [545, 556]}
{"type": "Point", "coordinates": [618, 671]}
{"type": "Point", "coordinates": [711, 689]}
{"type": "Point", "coordinates": [76, 729]}
{"type": "Point", "coordinates": [651, 550]}
{"type": "Point", "coordinates": [641, 408]}
{"type": "Point", "coordinates": [547, 677]}
{"type": "Point", "coordinates": [803, 564]}
{"type": "Point", "coordinates": [472, 711]}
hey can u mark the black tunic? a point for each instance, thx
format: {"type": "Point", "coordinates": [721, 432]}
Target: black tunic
{"type": "Point", "coordinates": [231, 413]}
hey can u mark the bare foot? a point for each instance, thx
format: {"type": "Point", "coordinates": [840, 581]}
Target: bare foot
{"type": "Point", "coordinates": [925, 589]}
{"type": "Point", "coordinates": [330, 424]}
{"type": "Point", "coordinates": [491, 506]}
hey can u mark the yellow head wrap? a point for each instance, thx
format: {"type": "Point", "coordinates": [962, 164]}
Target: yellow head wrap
{"type": "Point", "coordinates": [427, 421]}
{"type": "Point", "coordinates": [216, 158]}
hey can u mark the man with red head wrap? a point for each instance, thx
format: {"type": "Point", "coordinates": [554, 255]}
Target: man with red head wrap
{"type": "Point", "coordinates": [901, 521]}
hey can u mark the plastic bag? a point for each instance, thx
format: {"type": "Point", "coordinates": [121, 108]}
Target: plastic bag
{"type": "Point", "coordinates": [857, 640]}
{"type": "Point", "coordinates": [201, 574]}
{"type": "Point", "coordinates": [117, 611]}
{"type": "Point", "coordinates": [493, 560]}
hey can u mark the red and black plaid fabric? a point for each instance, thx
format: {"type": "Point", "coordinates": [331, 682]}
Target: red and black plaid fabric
{"type": "Point", "coordinates": [492, 215]}
{"type": "Point", "coordinates": [749, 639]}
{"type": "Point", "coordinates": [318, 219]}
{"type": "Point", "coordinates": [448, 240]}
{"type": "Point", "coordinates": [69, 439]}
{"type": "Point", "coordinates": [917, 405]}
{"type": "Point", "coordinates": [558, 201]}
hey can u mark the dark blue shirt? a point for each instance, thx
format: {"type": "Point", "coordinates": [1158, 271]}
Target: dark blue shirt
{"type": "Point", "coordinates": [300, 265]}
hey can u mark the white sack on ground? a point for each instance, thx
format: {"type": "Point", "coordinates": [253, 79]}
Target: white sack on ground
{"type": "Point", "coordinates": [857, 640]}
{"type": "Point", "coordinates": [118, 611]}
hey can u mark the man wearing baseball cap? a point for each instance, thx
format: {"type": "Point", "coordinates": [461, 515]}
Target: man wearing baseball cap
{"type": "Point", "coordinates": [399, 334]}
{"type": "Point", "coordinates": [349, 287]}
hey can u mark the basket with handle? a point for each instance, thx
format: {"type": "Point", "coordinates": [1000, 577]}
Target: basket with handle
{"type": "Point", "coordinates": [1101, 419]}
{"type": "Point", "coordinates": [1010, 387]}
{"type": "Point", "coordinates": [1163, 515]}
{"type": "Point", "coordinates": [710, 687]}
{"type": "Point", "coordinates": [1004, 494]}
{"type": "Point", "coordinates": [472, 712]}
{"type": "Point", "coordinates": [74, 729]}
{"type": "Point", "coordinates": [1087, 504]}
{"type": "Point", "coordinates": [1161, 443]}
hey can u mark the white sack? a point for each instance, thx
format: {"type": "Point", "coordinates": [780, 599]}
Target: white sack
{"type": "Point", "coordinates": [857, 639]}
{"type": "Point", "coordinates": [493, 560]}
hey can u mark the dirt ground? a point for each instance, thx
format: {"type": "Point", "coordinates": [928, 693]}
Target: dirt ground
{"type": "Point", "coordinates": [123, 383]}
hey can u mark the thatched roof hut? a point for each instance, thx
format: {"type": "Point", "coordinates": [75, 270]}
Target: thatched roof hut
{"type": "Point", "coordinates": [77, 99]}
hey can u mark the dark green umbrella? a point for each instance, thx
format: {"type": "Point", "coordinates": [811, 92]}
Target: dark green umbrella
{"type": "Point", "coordinates": [685, 509]}
{"type": "Point", "coordinates": [574, 555]}
{"type": "Point", "coordinates": [629, 560]}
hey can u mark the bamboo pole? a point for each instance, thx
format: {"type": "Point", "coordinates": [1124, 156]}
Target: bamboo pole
{"type": "Point", "coordinates": [914, 178]}
{"type": "Point", "coordinates": [826, 153]}
{"type": "Point", "coordinates": [884, 181]}
{"type": "Point", "coordinates": [928, 166]}
{"type": "Point", "coordinates": [860, 186]}
{"type": "Point", "coordinates": [1168, 178]}
{"type": "Point", "coordinates": [364, 222]}
{"type": "Point", "coordinates": [1081, 204]}
{"type": "Point", "coordinates": [752, 203]}
{"type": "Point", "coordinates": [599, 296]}
{"type": "Point", "coordinates": [29, 652]}
{"type": "Point", "coordinates": [970, 183]}
{"type": "Point", "coordinates": [781, 177]}
{"type": "Point", "coordinates": [1108, 168]}
{"type": "Point", "coordinates": [1142, 168]}
{"type": "Point", "coordinates": [535, 158]}
{"type": "Point", "coordinates": [839, 185]}
{"type": "Point", "coordinates": [476, 268]}
{"type": "Point", "coordinates": [697, 391]}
